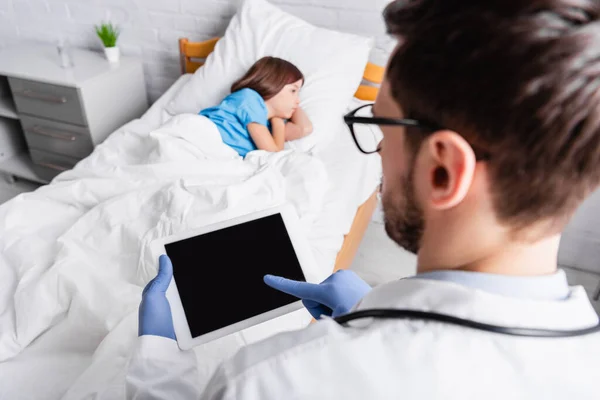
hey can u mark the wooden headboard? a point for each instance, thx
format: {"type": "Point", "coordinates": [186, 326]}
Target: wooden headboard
{"type": "Point", "coordinates": [189, 52]}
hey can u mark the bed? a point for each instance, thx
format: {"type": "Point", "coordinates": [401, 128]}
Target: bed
{"type": "Point", "coordinates": [75, 356]}
{"type": "Point", "coordinates": [72, 352]}
{"type": "Point", "coordinates": [68, 310]}
{"type": "Point", "coordinates": [191, 53]}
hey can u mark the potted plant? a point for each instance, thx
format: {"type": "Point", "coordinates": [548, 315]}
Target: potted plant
{"type": "Point", "coordinates": [109, 34]}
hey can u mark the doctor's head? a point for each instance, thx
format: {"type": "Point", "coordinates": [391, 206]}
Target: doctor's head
{"type": "Point", "coordinates": [507, 98]}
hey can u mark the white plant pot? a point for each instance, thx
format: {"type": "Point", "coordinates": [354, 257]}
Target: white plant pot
{"type": "Point", "coordinates": [112, 54]}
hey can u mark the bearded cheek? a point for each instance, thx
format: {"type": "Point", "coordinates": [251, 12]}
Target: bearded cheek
{"type": "Point", "coordinates": [392, 197]}
{"type": "Point", "coordinates": [403, 217]}
{"type": "Point", "coordinates": [393, 212]}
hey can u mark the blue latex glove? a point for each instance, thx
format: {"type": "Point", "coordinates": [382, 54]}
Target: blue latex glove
{"type": "Point", "coordinates": [155, 312]}
{"type": "Point", "coordinates": [334, 296]}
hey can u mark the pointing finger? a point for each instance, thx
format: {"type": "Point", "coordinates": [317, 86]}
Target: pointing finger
{"type": "Point", "coordinates": [302, 290]}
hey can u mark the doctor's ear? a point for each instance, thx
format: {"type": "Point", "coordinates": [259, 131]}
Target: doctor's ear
{"type": "Point", "coordinates": [451, 168]}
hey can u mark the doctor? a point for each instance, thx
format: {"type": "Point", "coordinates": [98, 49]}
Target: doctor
{"type": "Point", "coordinates": [491, 119]}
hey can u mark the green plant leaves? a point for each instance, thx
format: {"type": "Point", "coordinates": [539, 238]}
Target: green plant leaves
{"type": "Point", "coordinates": [108, 33]}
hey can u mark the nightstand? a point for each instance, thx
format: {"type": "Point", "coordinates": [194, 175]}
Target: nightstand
{"type": "Point", "coordinates": [52, 117]}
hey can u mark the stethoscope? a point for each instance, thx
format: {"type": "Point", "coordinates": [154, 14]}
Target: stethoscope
{"type": "Point", "coordinates": [449, 319]}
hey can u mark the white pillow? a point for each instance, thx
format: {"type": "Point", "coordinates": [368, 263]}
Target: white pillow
{"type": "Point", "coordinates": [332, 63]}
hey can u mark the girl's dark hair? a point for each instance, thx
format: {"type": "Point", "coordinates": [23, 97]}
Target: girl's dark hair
{"type": "Point", "coordinates": [268, 76]}
{"type": "Point", "coordinates": [517, 78]}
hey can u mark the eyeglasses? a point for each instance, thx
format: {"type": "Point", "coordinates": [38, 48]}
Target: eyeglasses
{"type": "Point", "coordinates": [367, 135]}
{"type": "Point", "coordinates": [365, 130]}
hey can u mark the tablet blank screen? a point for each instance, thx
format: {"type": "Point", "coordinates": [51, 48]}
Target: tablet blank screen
{"type": "Point", "coordinates": [219, 275]}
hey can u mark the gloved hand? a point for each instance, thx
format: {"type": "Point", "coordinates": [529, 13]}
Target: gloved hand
{"type": "Point", "coordinates": [155, 312]}
{"type": "Point", "coordinates": [334, 296]}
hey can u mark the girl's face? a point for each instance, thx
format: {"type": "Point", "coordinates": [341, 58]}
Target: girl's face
{"type": "Point", "coordinates": [285, 103]}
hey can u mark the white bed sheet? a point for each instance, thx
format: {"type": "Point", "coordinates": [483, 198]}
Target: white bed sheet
{"type": "Point", "coordinates": [70, 363]}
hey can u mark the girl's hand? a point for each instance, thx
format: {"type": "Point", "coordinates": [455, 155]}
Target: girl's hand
{"type": "Point", "coordinates": [277, 122]}
{"type": "Point", "coordinates": [298, 126]}
{"type": "Point", "coordinates": [270, 141]}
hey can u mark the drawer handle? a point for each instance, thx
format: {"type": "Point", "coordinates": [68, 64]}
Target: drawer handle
{"type": "Point", "coordinates": [53, 166]}
{"type": "Point", "coordinates": [41, 96]}
{"type": "Point", "coordinates": [40, 131]}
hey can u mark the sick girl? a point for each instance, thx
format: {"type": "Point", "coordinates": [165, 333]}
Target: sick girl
{"type": "Point", "coordinates": [263, 110]}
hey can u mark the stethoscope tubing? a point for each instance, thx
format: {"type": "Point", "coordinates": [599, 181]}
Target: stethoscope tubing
{"type": "Point", "coordinates": [385, 313]}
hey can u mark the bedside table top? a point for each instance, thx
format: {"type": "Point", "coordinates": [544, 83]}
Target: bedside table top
{"type": "Point", "coordinates": [41, 63]}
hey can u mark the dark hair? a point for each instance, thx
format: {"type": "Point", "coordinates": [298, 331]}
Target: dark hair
{"type": "Point", "coordinates": [268, 76]}
{"type": "Point", "coordinates": [518, 79]}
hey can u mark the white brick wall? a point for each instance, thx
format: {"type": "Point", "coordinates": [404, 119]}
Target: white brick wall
{"type": "Point", "coordinates": [150, 28]}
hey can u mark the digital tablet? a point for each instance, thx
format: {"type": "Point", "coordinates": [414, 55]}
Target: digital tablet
{"type": "Point", "coordinates": [218, 288]}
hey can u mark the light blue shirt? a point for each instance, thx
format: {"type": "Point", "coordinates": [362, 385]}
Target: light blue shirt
{"type": "Point", "coordinates": [543, 287]}
{"type": "Point", "coordinates": [234, 114]}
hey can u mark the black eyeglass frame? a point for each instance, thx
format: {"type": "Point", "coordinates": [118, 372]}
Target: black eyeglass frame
{"type": "Point", "coordinates": [350, 119]}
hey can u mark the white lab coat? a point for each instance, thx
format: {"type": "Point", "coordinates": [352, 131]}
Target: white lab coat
{"type": "Point", "coordinates": [397, 359]}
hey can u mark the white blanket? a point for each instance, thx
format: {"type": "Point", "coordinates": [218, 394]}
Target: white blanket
{"type": "Point", "coordinates": [74, 255]}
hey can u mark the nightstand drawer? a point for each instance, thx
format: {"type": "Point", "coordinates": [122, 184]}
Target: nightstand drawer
{"type": "Point", "coordinates": [48, 165]}
{"type": "Point", "coordinates": [57, 137]}
{"type": "Point", "coordinates": [44, 100]}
